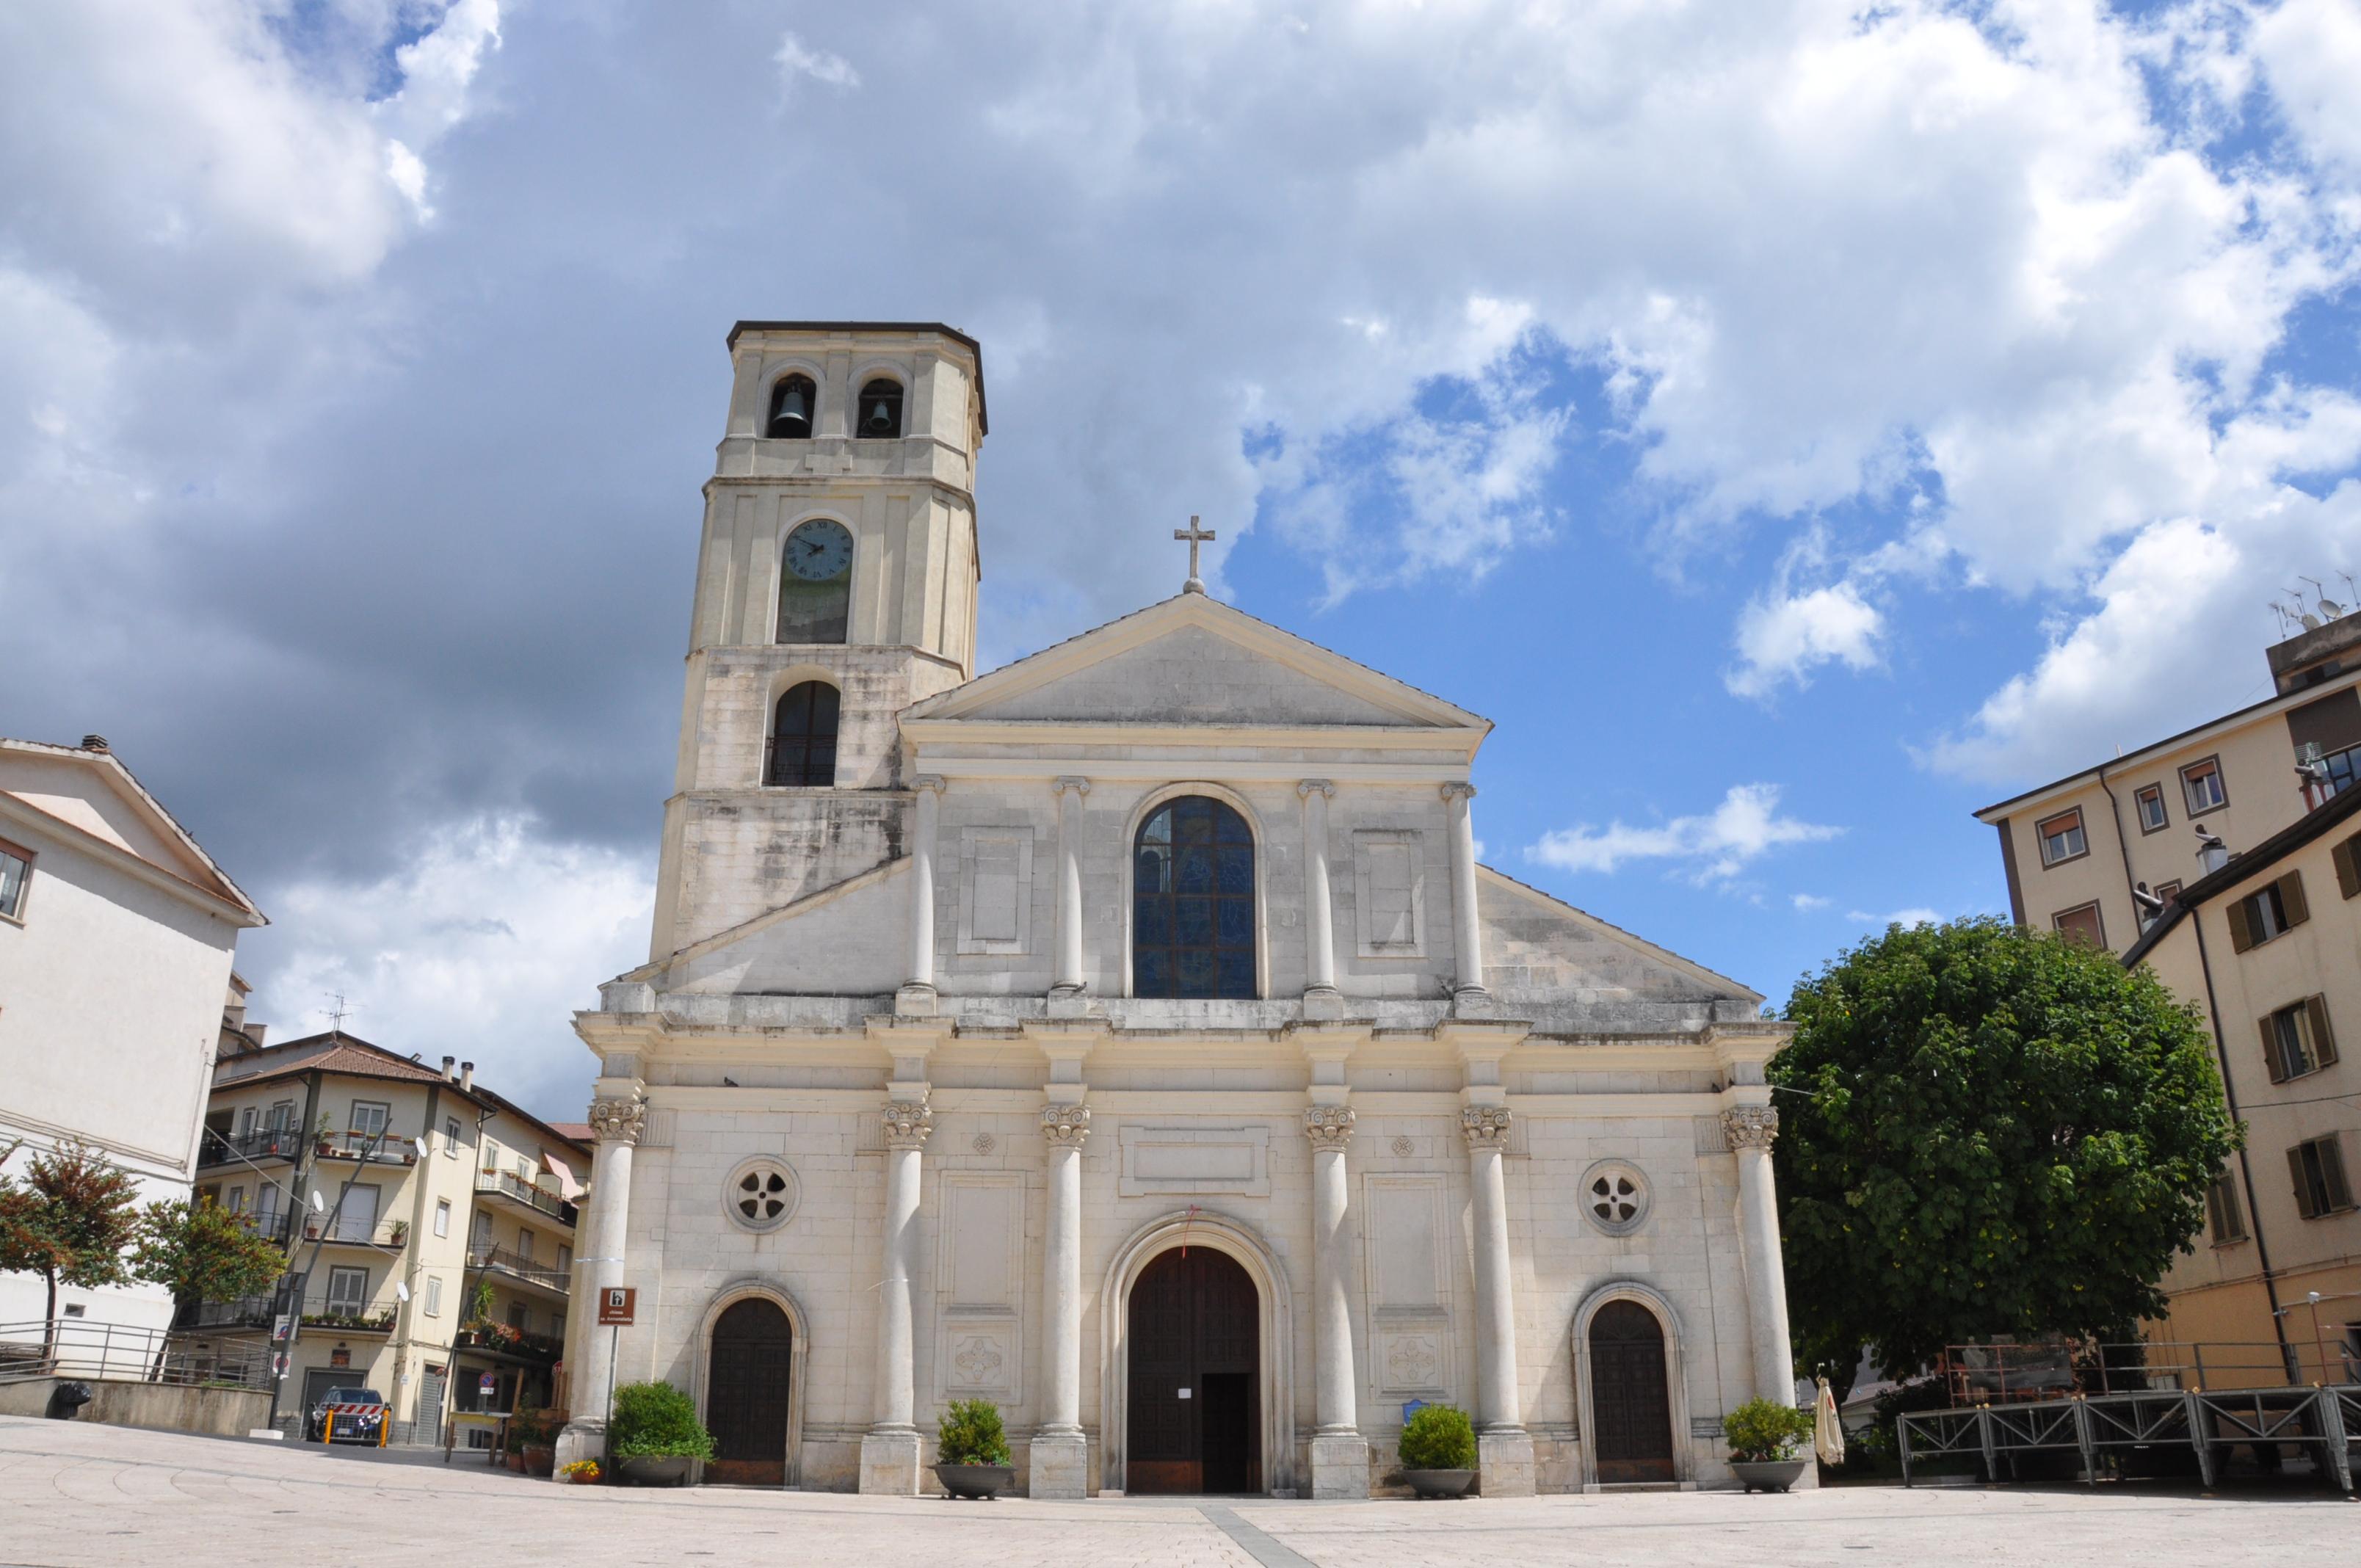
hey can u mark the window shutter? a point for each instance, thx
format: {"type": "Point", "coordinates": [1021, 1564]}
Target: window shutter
{"type": "Point", "coordinates": [2347, 857]}
{"type": "Point", "coordinates": [2291, 899]}
{"type": "Point", "coordinates": [2302, 1189]}
{"type": "Point", "coordinates": [2332, 1172]}
{"type": "Point", "coordinates": [2271, 1063]}
{"type": "Point", "coordinates": [2323, 1044]}
{"type": "Point", "coordinates": [2242, 930]}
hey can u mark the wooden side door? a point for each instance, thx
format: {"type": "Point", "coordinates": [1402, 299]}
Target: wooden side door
{"type": "Point", "coordinates": [746, 1395]}
{"type": "Point", "coordinates": [1631, 1400]}
{"type": "Point", "coordinates": [1163, 1437]}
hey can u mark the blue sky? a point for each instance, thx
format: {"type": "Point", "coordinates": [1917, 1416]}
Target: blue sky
{"type": "Point", "coordinates": [1795, 423]}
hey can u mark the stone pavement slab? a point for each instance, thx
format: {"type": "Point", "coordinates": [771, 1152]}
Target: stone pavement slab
{"type": "Point", "coordinates": [74, 1496]}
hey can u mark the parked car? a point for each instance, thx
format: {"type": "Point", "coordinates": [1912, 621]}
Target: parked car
{"type": "Point", "coordinates": [347, 1415]}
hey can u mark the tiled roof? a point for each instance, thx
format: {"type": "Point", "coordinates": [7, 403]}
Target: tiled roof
{"type": "Point", "coordinates": [325, 1053]}
{"type": "Point", "coordinates": [578, 1131]}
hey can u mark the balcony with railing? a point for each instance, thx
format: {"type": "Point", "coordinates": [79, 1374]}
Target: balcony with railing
{"type": "Point", "coordinates": [512, 1267]}
{"type": "Point", "coordinates": [509, 1188]}
{"type": "Point", "coordinates": [352, 1230]}
{"type": "Point", "coordinates": [320, 1311]}
{"type": "Point", "coordinates": [502, 1342]}
{"type": "Point", "coordinates": [264, 1144]}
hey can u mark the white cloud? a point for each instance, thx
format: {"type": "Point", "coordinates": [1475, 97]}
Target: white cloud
{"type": "Point", "coordinates": [1780, 638]}
{"type": "Point", "coordinates": [796, 60]}
{"type": "Point", "coordinates": [1807, 903]}
{"type": "Point", "coordinates": [481, 947]}
{"type": "Point", "coordinates": [1745, 827]}
{"type": "Point", "coordinates": [2310, 54]}
{"type": "Point", "coordinates": [1904, 917]}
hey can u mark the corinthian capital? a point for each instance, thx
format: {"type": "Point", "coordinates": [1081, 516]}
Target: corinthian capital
{"type": "Point", "coordinates": [1458, 789]}
{"type": "Point", "coordinates": [1485, 1126]}
{"type": "Point", "coordinates": [618, 1121]}
{"type": "Point", "coordinates": [908, 1122]}
{"type": "Point", "coordinates": [1065, 1126]}
{"type": "Point", "coordinates": [1328, 1126]}
{"type": "Point", "coordinates": [1751, 1126]}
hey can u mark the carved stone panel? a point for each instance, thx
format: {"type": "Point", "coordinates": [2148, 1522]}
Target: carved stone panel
{"type": "Point", "coordinates": [1233, 1160]}
{"type": "Point", "coordinates": [995, 900]}
{"type": "Point", "coordinates": [1408, 1285]}
{"type": "Point", "coordinates": [980, 1275]}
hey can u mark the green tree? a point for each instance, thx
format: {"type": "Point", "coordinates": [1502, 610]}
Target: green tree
{"type": "Point", "coordinates": [202, 1252]}
{"type": "Point", "coordinates": [68, 1220]}
{"type": "Point", "coordinates": [1992, 1131]}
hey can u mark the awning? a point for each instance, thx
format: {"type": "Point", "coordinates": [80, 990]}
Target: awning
{"type": "Point", "coordinates": [568, 1189]}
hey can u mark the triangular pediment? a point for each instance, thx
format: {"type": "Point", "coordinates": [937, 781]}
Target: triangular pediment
{"type": "Point", "coordinates": [94, 797]}
{"type": "Point", "coordinates": [1193, 660]}
{"type": "Point", "coordinates": [1537, 945]}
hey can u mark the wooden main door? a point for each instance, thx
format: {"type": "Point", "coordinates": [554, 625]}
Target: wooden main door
{"type": "Point", "coordinates": [1630, 1400]}
{"type": "Point", "coordinates": [746, 1395]}
{"type": "Point", "coordinates": [1195, 1335]}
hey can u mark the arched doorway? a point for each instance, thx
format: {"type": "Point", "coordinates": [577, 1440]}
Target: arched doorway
{"type": "Point", "coordinates": [747, 1387]}
{"type": "Point", "coordinates": [1195, 1335]}
{"type": "Point", "coordinates": [1630, 1400]}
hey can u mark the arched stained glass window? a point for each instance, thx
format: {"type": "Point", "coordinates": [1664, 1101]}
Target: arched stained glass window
{"type": "Point", "coordinates": [1193, 929]}
{"type": "Point", "coordinates": [803, 737]}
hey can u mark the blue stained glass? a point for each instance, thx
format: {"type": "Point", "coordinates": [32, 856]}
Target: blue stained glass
{"type": "Point", "coordinates": [1196, 870]}
{"type": "Point", "coordinates": [1234, 867]}
{"type": "Point", "coordinates": [1194, 927]}
{"type": "Point", "coordinates": [1192, 911]}
{"type": "Point", "coordinates": [1151, 973]}
{"type": "Point", "coordinates": [1237, 975]}
{"type": "Point", "coordinates": [1151, 922]}
{"type": "Point", "coordinates": [1148, 876]}
{"type": "Point", "coordinates": [1234, 925]}
{"type": "Point", "coordinates": [1196, 972]}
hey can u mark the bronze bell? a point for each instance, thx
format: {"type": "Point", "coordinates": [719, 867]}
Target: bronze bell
{"type": "Point", "coordinates": [881, 417]}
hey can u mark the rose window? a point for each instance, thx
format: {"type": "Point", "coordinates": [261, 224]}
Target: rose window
{"type": "Point", "coordinates": [1615, 1196]}
{"type": "Point", "coordinates": [761, 1195]}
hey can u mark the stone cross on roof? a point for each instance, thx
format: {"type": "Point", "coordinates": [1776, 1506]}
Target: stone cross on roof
{"type": "Point", "coordinates": [1195, 536]}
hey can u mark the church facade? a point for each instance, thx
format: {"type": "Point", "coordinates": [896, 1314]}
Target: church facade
{"type": "Point", "coordinates": [1128, 1036]}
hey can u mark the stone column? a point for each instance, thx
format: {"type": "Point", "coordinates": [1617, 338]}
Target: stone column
{"type": "Point", "coordinates": [1467, 927]}
{"type": "Point", "coordinates": [1318, 917]}
{"type": "Point", "coordinates": [1340, 1457]}
{"type": "Point", "coordinates": [1750, 1129]}
{"type": "Point", "coordinates": [616, 1123]}
{"type": "Point", "coordinates": [1070, 792]}
{"type": "Point", "coordinates": [917, 993]}
{"type": "Point", "coordinates": [889, 1451]}
{"type": "Point", "coordinates": [1504, 1448]}
{"type": "Point", "coordinates": [1060, 1457]}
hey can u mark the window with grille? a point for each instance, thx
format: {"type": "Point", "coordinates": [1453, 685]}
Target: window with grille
{"type": "Point", "coordinates": [2296, 1039]}
{"type": "Point", "coordinates": [1193, 927]}
{"type": "Point", "coordinates": [803, 737]}
{"type": "Point", "coordinates": [2063, 838]}
{"type": "Point", "coordinates": [2318, 1170]}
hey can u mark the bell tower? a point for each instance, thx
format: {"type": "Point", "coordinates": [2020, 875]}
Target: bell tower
{"type": "Point", "coordinates": [836, 585]}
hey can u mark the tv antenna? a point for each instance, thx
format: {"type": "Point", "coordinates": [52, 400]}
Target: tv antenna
{"type": "Point", "coordinates": [338, 1011]}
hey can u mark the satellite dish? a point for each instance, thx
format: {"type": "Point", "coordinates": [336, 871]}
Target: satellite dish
{"type": "Point", "coordinates": [2310, 622]}
{"type": "Point", "coordinates": [401, 1292]}
{"type": "Point", "coordinates": [2331, 609]}
{"type": "Point", "coordinates": [317, 1206]}
{"type": "Point", "coordinates": [420, 1145]}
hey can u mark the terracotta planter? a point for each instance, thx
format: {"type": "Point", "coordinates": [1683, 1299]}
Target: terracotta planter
{"type": "Point", "coordinates": [983, 1482]}
{"type": "Point", "coordinates": [540, 1459]}
{"type": "Point", "coordinates": [649, 1470]}
{"type": "Point", "coordinates": [1767, 1474]}
{"type": "Point", "coordinates": [516, 1459]}
{"type": "Point", "coordinates": [1440, 1482]}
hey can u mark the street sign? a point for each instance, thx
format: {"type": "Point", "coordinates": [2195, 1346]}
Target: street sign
{"type": "Point", "coordinates": [281, 1327]}
{"type": "Point", "coordinates": [616, 1306]}
{"type": "Point", "coordinates": [488, 1384]}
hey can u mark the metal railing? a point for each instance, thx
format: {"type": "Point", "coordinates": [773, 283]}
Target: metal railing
{"type": "Point", "coordinates": [264, 1143]}
{"type": "Point", "coordinates": [356, 1231]}
{"type": "Point", "coordinates": [256, 1313]}
{"type": "Point", "coordinates": [500, 1260]}
{"type": "Point", "coordinates": [2015, 1373]}
{"type": "Point", "coordinates": [79, 1347]}
{"type": "Point", "coordinates": [511, 1185]}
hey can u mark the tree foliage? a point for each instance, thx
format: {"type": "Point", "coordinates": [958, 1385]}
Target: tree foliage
{"type": "Point", "coordinates": [69, 1219]}
{"type": "Point", "coordinates": [202, 1252]}
{"type": "Point", "coordinates": [1994, 1131]}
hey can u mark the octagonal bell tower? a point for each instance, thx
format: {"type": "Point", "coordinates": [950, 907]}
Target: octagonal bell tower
{"type": "Point", "coordinates": [836, 585]}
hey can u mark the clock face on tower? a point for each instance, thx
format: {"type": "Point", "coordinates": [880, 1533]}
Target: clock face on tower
{"type": "Point", "coordinates": [819, 550]}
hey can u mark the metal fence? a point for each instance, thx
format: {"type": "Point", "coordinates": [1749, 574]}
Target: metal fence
{"type": "Point", "coordinates": [79, 1347]}
{"type": "Point", "coordinates": [2014, 1374]}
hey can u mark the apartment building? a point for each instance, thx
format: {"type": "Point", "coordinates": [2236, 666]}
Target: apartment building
{"type": "Point", "coordinates": [2076, 850]}
{"type": "Point", "coordinates": [2228, 860]}
{"type": "Point", "coordinates": [117, 932]}
{"type": "Point", "coordinates": [429, 1223]}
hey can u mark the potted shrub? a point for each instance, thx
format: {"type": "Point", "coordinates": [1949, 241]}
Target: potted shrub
{"type": "Point", "coordinates": [971, 1452]}
{"type": "Point", "coordinates": [1762, 1435]}
{"type": "Point", "coordinates": [581, 1472]}
{"type": "Point", "coordinates": [655, 1436]}
{"type": "Point", "coordinates": [1438, 1451]}
{"type": "Point", "coordinates": [536, 1436]}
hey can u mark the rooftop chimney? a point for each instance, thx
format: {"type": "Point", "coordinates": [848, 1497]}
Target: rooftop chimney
{"type": "Point", "coordinates": [467, 1075]}
{"type": "Point", "coordinates": [257, 1031]}
{"type": "Point", "coordinates": [94, 743]}
{"type": "Point", "coordinates": [450, 1068]}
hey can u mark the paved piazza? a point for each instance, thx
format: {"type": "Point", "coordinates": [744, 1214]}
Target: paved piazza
{"type": "Point", "coordinates": [73, 1494]}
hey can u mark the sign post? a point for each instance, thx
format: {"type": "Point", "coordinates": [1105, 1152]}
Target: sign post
{"type": "Point", "coordinates": [617, 1305]}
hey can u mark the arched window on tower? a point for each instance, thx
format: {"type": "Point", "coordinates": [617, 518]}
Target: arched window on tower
{"type": "Point", "coordinates": [878, 416]}
{"type": "Point", "coordinates": [816, 582]}
{"type": "Point", "coordinates": [1193, 927]}
{"type": "Point", "coordinates": [803, 737]}
{"type": "Point", "coordinates": [793, 404]}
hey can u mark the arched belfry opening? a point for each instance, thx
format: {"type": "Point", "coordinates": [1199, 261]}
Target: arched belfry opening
{"type": "Point", "coordinates": [794, 404]}
{"type": "Point", "coordinates": [879, 415]}
{"type": "Point", "coordinates": [1193, 889]}
{"type": "Point", "coordinates": [803, 737]}
{"type": "Point", "coordinates": [749, 1381]}
{"type": "Point", "coordinates": [1196, 1342]}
